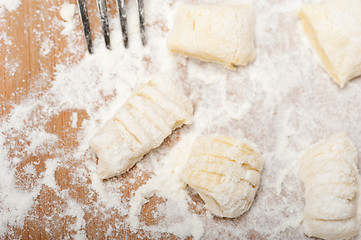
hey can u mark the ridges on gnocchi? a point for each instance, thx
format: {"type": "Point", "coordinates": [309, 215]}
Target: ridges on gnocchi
{"type": "Point", "coordinates": [329, 173]}
{"type": "Point", "coordinates": [141, 124]}
{"type": "Point", "coordinates": [225, 172]}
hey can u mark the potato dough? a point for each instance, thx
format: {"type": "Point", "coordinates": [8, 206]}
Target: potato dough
{"type": "Point", "coordinates": [214, 33]}
{"type": "Point", "coordinates": [329, 174]}
{"type": "Point", "coordinates": [334, 30]}
{"type": "Point", "coordinates": [140, 125]}
{"type": "Point", "coordinates": [225, 172]}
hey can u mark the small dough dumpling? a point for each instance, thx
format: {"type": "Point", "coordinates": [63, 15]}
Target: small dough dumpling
{"type": "Point", "coordinates": [141, 124]}
{"type": "Point", "coordinates": [68, 11]}
{"type": "Point", "coordinates": [329, 173]}
{"type": "Point", "coordinates": [334, 30]}
{"type": "Point", "coordinates": [221, 33]}
{"type": "Point", "coordinates": [225, 172]}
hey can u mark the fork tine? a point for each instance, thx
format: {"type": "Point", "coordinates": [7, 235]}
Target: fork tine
{"type": "Point", "coordinates": [123, 21]}
{"type": "Point", "coordinates": [141, 20]}
{"type": "Point", "coordinates": [85, 22]}
{"type": "Point", "coordinates": [102, 7]}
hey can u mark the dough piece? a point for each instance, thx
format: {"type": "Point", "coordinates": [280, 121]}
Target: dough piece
{"type": "Point", "coordinates": [334, 30]}
{"type": "Point", "coordinates": [225, 172]}
{"type": "Point", "coordinates": [214, 33]}
{"type": "Point", "coordinates": [67, 12]}
{"type": "Point", "coordinates": [141, 124]}
{"type": "Point", "coordinates": [329, 174]}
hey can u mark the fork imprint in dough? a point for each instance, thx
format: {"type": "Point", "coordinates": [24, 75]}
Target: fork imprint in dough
{"type": "Point", "coordinates": [225, 172]}
{"type": "Point", "coordinates": [329, 173]}
{"type": "Point", "coordinates": [141, 124]}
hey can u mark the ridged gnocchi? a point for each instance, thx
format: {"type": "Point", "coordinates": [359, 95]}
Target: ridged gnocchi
{"type": "Point", "coordinates": [141, 124]}
{"type": "Point", "coordinates": [334, 30]}
{"type": "Point", "coordinates": [329, 174]}
{"type": "Point", "coordinates": [225, 172]}
{"type": "Point", "coordinates": [214, 33]}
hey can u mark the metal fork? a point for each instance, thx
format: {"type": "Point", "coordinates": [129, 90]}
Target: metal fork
{"type": "Point", "coordinates": [102, 7]}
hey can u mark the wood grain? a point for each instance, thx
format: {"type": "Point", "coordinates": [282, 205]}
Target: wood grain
{"type": "Point", "coordinates": [27, 72]}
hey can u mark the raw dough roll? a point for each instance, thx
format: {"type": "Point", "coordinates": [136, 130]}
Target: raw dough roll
{"type": "Point", "coordinates": [140, 125]}
{"type": "Point", "coordinates": [334, 30]}
{"type": "Point", "coordinates": [329, 174]}
{"type": "Point", "coordinates": [214, 33]}
{"type": "Point", "coordinates": [225, 172]}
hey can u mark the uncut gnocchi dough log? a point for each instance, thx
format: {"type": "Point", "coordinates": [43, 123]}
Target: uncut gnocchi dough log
{"type": "Point", "coordinates": [334, 30]}
{"type": "Point", "coordinates": [141, 124]}
{"type": "Point", "coordinates": [225, 172]}
{"type": "Point", "coordinates": [329, 174]}
{"type": "Point", "coordinates": [214, 33]}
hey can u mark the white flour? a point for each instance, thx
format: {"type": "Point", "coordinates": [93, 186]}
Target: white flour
{"type": "Point", "coordinates": [284, 102]}
{"type": "Point", "coordinates": [10, 5]}
{"type": "Point", "coordinates": [167, 183]}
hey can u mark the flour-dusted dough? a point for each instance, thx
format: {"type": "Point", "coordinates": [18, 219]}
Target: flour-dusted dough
{"type": "Point", "coordinates": [214, 33]}
{"type": "Point", "coordinates": [329, 174]}
{"type": "Point", "coordinates": [334, 30]}
{"type": "Point", "coordinates": [225, 172]}
{"type": "Point", "coordinates": [140, 125]}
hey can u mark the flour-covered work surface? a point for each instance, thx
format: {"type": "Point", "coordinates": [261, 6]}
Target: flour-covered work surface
{"type": "Point", "coordinates": [55, 98]}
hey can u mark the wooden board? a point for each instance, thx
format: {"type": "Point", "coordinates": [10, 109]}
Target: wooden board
{"type": "Point", "coordinates": [26, 71]}
{"type": "Point", "coordinates": [32, 45]}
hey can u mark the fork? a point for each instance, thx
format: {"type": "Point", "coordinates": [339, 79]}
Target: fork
{"type": "Point", "coordinates": [104, 20]}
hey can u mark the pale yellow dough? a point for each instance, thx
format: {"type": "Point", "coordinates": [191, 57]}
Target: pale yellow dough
{"type": "Point", "coordinates": [225, 172]}
{"type": "Point", "coordinates": [334, 30]}
{"type": "Point", "coordinates": [140, 125]}
{"type": "Point", "coordinates": [329, 173]}
{"type": "Point", "coordinates": [220, 33]}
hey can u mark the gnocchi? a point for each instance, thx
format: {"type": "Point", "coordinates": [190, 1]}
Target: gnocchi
{"type": "Point", "coordinates": [329, 174]}
{"type": "Point", "coordinates": [214, 33]}
{"type": "Point", "coordinates": [225, 172]}
{"type": "Point", "coordinates": [334, 30]}
{"type": "Point", "coordinates": [140, 125]}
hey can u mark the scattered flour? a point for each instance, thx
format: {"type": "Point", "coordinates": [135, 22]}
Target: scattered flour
{"type": "Point", "coordinates": [167, 183]}
{"type": "Point", "coordinates": [46, 46]}
{"type": "Point", "coordinates": [284, 102]}
{"type": "Point", "coordinates": [74, 210]}
{"type": "Point", "coordinates": [74, 120]}
{"type": "Point", "coordinates": [10, 5]}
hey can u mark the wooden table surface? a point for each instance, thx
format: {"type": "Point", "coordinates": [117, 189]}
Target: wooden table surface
{"type": "Point", "coordinates": [26, 72]}
{"type": "Point", "coordinates": [32, 46]}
